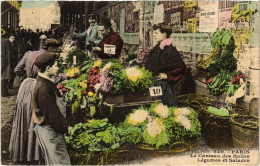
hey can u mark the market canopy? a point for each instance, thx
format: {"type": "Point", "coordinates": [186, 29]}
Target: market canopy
{"type": "Point", "coordinates": [39, 15]}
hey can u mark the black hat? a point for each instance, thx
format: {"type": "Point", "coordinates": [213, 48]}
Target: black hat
{"type": "Point", "coordinates": [92, 15]}
{"type": "Point", "coordinates": [44, 59]}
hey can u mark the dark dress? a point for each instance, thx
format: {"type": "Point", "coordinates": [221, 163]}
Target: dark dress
{"type": "Point", "coordinates": [169, 61]}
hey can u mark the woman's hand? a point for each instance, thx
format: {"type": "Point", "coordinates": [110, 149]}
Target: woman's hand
{"type": "Point", "coordinates": [161, 76]}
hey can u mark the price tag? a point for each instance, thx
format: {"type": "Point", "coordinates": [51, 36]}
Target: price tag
{"type": "Point", "coordinates": [109, 49]}
{"type": "Point", "coordinates": [156, 91]}
{"type": "Point", "coordinates": [74, 60]}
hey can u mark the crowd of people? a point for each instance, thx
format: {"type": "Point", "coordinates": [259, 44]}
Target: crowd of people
{"type": "Point", "coordinates": [40, 123]}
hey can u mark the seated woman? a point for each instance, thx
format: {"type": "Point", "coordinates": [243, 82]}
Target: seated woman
{"type": "Point", "coordinates": [166, 64]}
{"type": "Point", "coordinates": [109, 39]}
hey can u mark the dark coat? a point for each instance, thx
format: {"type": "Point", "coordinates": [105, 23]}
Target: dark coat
{"type": "Point", "coordinates": [45, 105]}
{"type": "Point", "coordinates": [6, 68]}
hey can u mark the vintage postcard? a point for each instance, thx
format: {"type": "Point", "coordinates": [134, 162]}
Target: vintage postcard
{"type": "Point", "coordinates": [130, 82]}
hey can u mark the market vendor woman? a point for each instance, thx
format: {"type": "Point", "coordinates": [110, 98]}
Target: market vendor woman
{"type": "Point", "coordinates": [166, 64]}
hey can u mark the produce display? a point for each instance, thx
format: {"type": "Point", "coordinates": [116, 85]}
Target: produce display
{"type": "Point", "coordinates": [143, 125]}
{"type": "Point", "coordinates": [87, 79]}
{"type": "Point", "coordinates": [220, 65]}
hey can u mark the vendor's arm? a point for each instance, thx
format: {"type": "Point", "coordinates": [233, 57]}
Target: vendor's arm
{"type": "Point", "coordinates": [79, 35]}
{"type": "Point", "coordinates": [51, 111]}
{"type": "Point", "coordinates": [96, 49]}
{"type": "Point", "coordinates": [176, 74]}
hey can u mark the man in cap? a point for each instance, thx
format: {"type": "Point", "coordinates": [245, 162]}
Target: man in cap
{"type": "Point", "coordinates": [49, 113]}
{"type": "Point", "coordinates": [91, 34]}
{"type": "Point", "coordinates": [111, 44]}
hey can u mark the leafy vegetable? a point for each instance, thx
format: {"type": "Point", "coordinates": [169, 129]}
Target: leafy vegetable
{"type": "Point", "coordinates": [80, 57]}
{"type": "Point", "coordinates": [131, 57]}
{"type": "Point", "coordinates": [219, 112]}
{"type": "Point", "coordinates": [139, 83]}
{"type": "Point", "coordinates": [97, 135]}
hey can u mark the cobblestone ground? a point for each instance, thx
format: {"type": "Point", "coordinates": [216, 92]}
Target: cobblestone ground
{"type": "Point", "coordinates": [7, 107]}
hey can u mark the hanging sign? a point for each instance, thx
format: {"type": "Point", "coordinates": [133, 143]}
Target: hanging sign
{"type": "Point", "coordinates": [110, 49]}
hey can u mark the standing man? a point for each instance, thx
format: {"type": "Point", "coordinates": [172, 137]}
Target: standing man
{"type": "Point", "coordinates": [6, 69]}
{"type": "Point", "coordinates": [91, 34]}
{"type": "Point", "coordinates": [49, 113]}
{"type": "Point", "coordinates": [111, 44]}
{"type": "Point", "coordinates": [13, 51]}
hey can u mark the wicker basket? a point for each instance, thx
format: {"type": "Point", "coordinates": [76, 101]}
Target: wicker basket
{"type": "Point", "coordinates": [176, 147]}
{"type": "Point", "coordinates": [127, 153]}
{"type": "Point", "coordinates": [245, 131]}
{"type": "Point", "coordinates": [97, 158]}
{"type": "Point", "coordinates": [216, 130]}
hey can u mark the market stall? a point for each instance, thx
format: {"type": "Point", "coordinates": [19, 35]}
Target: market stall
{"type": "Point", "coordinates": [114, 112]}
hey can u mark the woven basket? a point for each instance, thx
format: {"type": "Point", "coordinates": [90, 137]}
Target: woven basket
{"type": "Point", "coordinates": [245, 131]}
{"type": "Point", "coordinates": [176, 147]}
{"type": "Point", "coordinates": [216, 130]}
{"type": "Point", "coordinates": [97, 158]}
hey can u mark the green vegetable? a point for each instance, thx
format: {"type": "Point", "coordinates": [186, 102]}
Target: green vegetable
{"type": "Point", "coordinates": [95, 136]}
{"type": "Point", "coordinates": [160, 140]}
{"type": "Point", "coordinates": [141, 84]}
{"type": "Point", "coordinates": [131, 57]}
{"type": "Point", "coordinates": [219, 112]}
{"type": "Point", "coordinates": [80, 57]}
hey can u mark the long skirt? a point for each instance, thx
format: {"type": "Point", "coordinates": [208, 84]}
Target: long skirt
{"type": "Point", "coordinates": [23, 143]}
{"type": "Point", "coordinates": [53, 145]}
{"type": "Point", "coordinates": [168, 93]}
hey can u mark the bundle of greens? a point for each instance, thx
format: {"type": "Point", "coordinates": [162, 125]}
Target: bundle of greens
{"type": "Point", "coordinates": [131, 57]}
{"type": "Point", "coordinates": [94, 136]}
{"type": "Point", "coordinates": [222, 63]}
{"type": "Point", "coordinates": [220, 82]}
{"type": "Point", "coordinates": [75, 86]}
{"type": "Point", "coordinates": [80, 57]}
{"type": "Point", "coordinates": [138, 79]}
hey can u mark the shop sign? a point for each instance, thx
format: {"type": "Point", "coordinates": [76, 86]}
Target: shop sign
{"type": "Point", "coordinates": [192, 23]}
{"type": "Point", "coordinates": [158, 14]}
{"type": "Point", "coordinates": [15, 4]}
{"type": "Point", "coordinates": [209, 16]}
{"type": "Point", "coordinates": [176, 18]}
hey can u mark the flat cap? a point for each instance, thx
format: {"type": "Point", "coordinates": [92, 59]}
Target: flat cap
{"type": "Point", "coordinates": [92, 15]}
{"type": "Point", "coordinates": [46, 58]}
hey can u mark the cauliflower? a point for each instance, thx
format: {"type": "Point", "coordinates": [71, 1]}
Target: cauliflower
{"type": "Point", "coordinates": [133, 74]}
{"type": "Point", "coordinates": [162, 110]}
{"type": "Point", "coordinates": [138, 117]}
{"type": "Point", "coordinates": [155, 127]}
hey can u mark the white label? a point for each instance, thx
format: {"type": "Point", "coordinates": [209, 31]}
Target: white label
{"type": "Point", "coordinates": [74, 60]}
{"type": "Point", "coordinates": [155, 91]}
{"type": "Point", "coordinates": [110, 49]}
{"type": "Point", "coordinates": [159, 16]}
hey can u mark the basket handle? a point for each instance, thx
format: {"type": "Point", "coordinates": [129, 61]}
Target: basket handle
{"type": "Point", "coordinates": [248, 123]}
{"type": "Point", "coordinates": [180, 143]}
